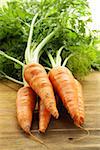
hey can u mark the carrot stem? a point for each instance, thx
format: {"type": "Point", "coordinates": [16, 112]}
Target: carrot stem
{"type": "Point", "coordinates": [11, 58]}
{"type": "Point", "coordinates": [3, 75]}
{"type": "Point", "coordinates": [66, 60]}
{"type": "Point", "coordinates": [47, 68]}
{"type": "Point", "coordinates": [14, 80]}
{"type": "Point", "coordinates": [16, 61]}
{"type": "Point", "coordinates": [41, 45]}
{"type": "Point", "coordinates": [28, 51]}
{"type": "Point", "coordinates": [51, 59]}
{"type": "Point", "coordinates": [58, 57]}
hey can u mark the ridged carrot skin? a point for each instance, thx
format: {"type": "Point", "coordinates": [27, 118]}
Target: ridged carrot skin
{"type": "Point", "coordinates": [36, 76]}
{"type": "Point", "coordinates": [64, 84]}
{"type": "Point", "coordinates": [80, 119]}
{"type": "Point", "coordinates": [44, 117]}
{"type": "Point", "coordinates": [25, 104]}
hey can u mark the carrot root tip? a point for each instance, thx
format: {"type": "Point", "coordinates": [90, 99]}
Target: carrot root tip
{"type": "Point", "coordinates": [78, 121]}
{"type": "Point", "coordinates": [27, 129]}
{"type": "Point", "coordinates": [83, 137]}
{"type": "Point", "coordinates": [42, 130]}
{"type": "Point", "coordinates": [56, 114]}
{"type": "Point", "coordinates": [35, 138]}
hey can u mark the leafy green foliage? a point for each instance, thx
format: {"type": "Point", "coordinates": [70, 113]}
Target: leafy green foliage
{"type": "Point", "coordinates": [96, 63]}
{"type": "Point", "coordinates": [13, 35]}
{"type": "Point", "coordinates": [80, 62]}
{"type": "Point", "coordinates": [71, 18]}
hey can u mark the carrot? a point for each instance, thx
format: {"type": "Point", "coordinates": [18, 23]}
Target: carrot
{"type": "Point", "coordinates": [68, 89]}
{"type": "Point", "coordinates": [64, 84]}
{"type": "Point", "coordinates": [80, 119]}
{"type": "Point", "coordinates": [36, 76]}
{"type": "Point", "coordinates": [44, 117]}
{"type": "Point", "coordinates": [25, 104]}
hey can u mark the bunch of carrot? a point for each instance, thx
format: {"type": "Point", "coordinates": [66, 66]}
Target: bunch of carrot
{"type": "Point", "coordinates": [38, 83]}
{"type": "Point", "coordinates": [59, 78]}
{"type": "Point", "coordinates": [63, 82]}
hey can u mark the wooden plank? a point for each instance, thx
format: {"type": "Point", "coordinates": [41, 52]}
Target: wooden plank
{"type": "Point", "coordinates": [62, 133]}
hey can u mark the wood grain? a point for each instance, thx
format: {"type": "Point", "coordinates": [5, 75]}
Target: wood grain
{"type": "Point", "coordinates": [62, 132]}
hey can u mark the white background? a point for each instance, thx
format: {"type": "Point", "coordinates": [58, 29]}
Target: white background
{"type": "Point", "coordinates": [95, 9]}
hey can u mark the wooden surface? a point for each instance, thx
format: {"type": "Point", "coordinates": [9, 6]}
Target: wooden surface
{"type": "Point", "coordinates": [61, 133]}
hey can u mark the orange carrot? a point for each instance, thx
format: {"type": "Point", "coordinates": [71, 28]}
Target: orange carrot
{"type": "Point", "coordinates": [44, 117]}
{"type": "Point", "coordinates": [25, 103]}
{"type": "Point", "coordinates": [36, 76]}
{"type": "Point", "coordinates": [64, 84]}
{"type": "Point", "coordinates": [80, 118]}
